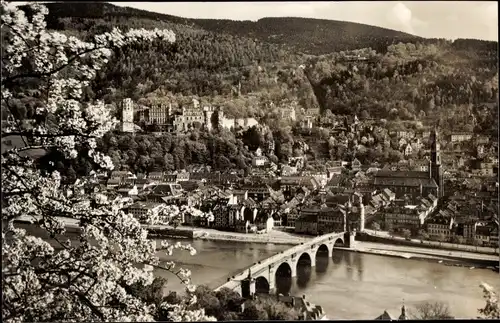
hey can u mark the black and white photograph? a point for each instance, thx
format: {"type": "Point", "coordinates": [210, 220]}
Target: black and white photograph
{"type": "Point", "coordinates": [249, 161]}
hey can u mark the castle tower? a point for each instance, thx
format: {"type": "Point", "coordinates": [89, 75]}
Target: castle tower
{"type": "Point", "coordinates": [196, 104]}
{"type": "Point", "coordinates": [208, 112]}
{"type": "Point", "coordinates": [127, 115]}
{"type": "Point", "coordinates": [436, 171]}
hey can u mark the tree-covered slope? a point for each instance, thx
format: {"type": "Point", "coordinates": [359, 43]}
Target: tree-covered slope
{"type": "Point", "coordinates": [312, 36]}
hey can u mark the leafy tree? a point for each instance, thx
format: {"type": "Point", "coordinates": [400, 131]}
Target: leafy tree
{"type": "Point", "coordinates": [441, 238]}
{"type": "Point", "coordinates": [492, 308]}
{"type": "Point", "coordinates": [423, 235]}
{"type": "Point", "coordinates": [375, 226]}
{"type": "Point", "coordinates": [269, 307]}
{"type": "Point", "coordinates": [255, 311]}
{"type": "Point", "coordinates": [406, 234]}
{"type": "Point", "coordinates": [432, 311]}
{"type": "Point", "coordinates": [476, 243]}
{"type": "Point", "coordinates": [87, 281]}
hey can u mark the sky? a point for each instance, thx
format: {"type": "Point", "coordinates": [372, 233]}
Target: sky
{"type": "Point", "coordinates": [431, 19]}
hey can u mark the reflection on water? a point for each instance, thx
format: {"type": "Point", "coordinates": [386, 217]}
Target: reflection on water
{"type": "Point", "coordinates": [337, 257]}
{"type": "Point", "coordinates": [322, 265]}
{"type": "Point", "coordinates": [284, 285]}
{"type": "Point", "coordinates": [376, 283]}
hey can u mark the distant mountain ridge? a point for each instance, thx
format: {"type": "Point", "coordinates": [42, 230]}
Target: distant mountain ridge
{"type": "Point", "coordinates": [307, 35]}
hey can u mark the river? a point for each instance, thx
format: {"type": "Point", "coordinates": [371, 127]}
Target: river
{"type": "Point", "coordinates": [350, 285]}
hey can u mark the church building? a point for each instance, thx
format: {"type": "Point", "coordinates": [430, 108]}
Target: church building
{"type": "Point", "coordinates": [414, 184]}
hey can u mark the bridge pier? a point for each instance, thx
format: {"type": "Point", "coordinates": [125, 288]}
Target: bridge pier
{"type": "Point", "coordinates": [330, 250]}
{"type": "Point", "coordinates": [350, 239]}
{"type": "Point", "coordinates": [313, 257]}
{"type": "Point", "coordinates": [293, 266]}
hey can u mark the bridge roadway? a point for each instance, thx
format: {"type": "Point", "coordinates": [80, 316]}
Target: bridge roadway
{"type": "Point", "coordinates": [264, 272]}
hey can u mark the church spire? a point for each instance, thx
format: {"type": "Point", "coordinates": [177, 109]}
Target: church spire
{"type": "Point", "coordinates": [403, 312]}
{"type": "Point", "coordinates": [436, 171]}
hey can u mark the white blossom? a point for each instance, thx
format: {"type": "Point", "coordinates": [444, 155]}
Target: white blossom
{"type": "Point", "coordinates": [60, 280]}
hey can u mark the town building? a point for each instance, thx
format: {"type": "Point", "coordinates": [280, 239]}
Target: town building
{"type": "Point", "coordinates": [287, 113]}
{"type": "Point", "coordinates": [459, 137]}
{"type": "Point", "coordinates": [415, 183]}
{"type": "Point", "coordinates": [440, 227]}
{"type": "Point", "coordinates": [144, 210]}
{"type": "Point", "coordinates": [398, 216]}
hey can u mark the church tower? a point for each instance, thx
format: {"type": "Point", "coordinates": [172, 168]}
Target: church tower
{"type": "Point", "coordinates": [435, 170]}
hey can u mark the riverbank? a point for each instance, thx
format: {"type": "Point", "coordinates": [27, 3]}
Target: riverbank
{"type": "Point", "coordinates": [462, 259]}
{"type": "Point", "coordinates": [386, 238]}
{"type": "Point", "coordinates": [274, 237]}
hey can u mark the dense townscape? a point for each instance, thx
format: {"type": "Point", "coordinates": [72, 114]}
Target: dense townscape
{"type": "Point", "coordinates": [390, 139]}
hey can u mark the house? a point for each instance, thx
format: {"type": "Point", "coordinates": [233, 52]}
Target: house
{"type": "Point", "coordinates": [412, 217]}
{"type": "Point", "coordinates": [320, 220]}
{"type": "Point", "coordinates": [127, 190]}
{"type": "Point", "coordinates": [421, 165]}
{"type": "Point", "coordinates": [307, 224]}
{"type": "Point", "coordinates": [356, 165]}
{"type": "Point", "coordinates": [120, 176]}
{"type": "Point", "coordinates": [405, 134]}
{"type": "Point", "coordinates": [440, 226]}
{"type": "Point", "coordinates": [309, 311]}
{"type": "Point", "coordinates": [459, 137]}
{"type": "Point", "coordinates": [259, 161]}
{"type": "Point", "coordinates": [482, 139]}
{"type": "Point", "coordinates": [288, 170]}
{"type": "Point", "coordinates": [480, 150]}
{"type": "Point", "coordinates": [156, 176]}
{"type": "Point", "coordinates": [287, 113]}
{"type": "Point", "coordinates": [483, 234]}
{"type": "Point", "coordinates": [334, 170]}
{"type": "Point", "coordinates": [258, 193]}
{"type": "Point", "coordinates": [408, 150]}
{"type": "Point", "coordinates": [164, 193]}
{"type": "Point", "coordinates": [144, 211]}
{"type": "Point", "coordinates": [397, 217]}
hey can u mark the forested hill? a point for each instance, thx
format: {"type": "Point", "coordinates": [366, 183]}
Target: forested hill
{"type": "Point", "coordinates": [311, 36]}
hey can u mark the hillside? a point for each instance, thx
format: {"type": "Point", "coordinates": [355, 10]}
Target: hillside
{"type": "Point", "coordinates": [404, 83]}
{"type": "Point", "coordinates": [312, 36]}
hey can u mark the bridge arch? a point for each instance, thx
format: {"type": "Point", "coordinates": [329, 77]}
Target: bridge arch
{"type": "Point", "coordinates": [323, 250]}
{"type": "Point", "coordinates": [262, 285]}
{"type": "Point", "coordinates": [284, 270]}
{"type": "Point", "coordinates": [323, 255]}
{"type": "Point", "coordinates": [339, 242]}
{"type": "Point", "coordinates": [283, 278]}
{"type": "Point", "coordinates": [307, 258]}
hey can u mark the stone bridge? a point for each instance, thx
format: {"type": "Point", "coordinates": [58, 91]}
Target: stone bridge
{"type": "Point", "coordinates": [263, 274]}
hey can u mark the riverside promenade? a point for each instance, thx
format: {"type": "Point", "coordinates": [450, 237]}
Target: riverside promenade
{"type": "Point", "coordinates": [166, 231]}
{"type": "Point", "coordinates": [434, 244]}
{"type": "Point", "coordinates": [416, 252]}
